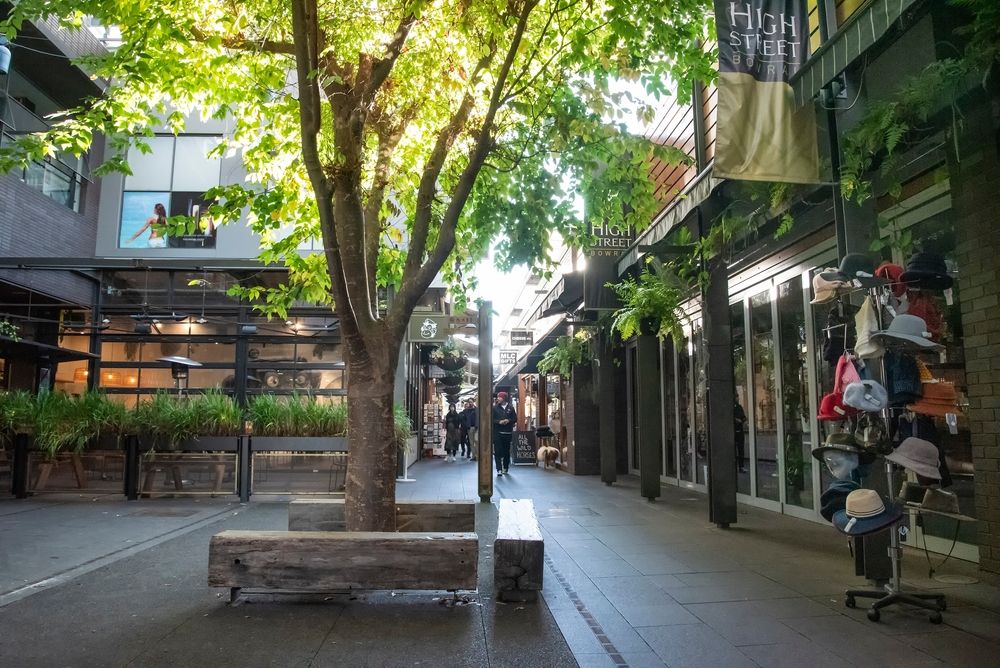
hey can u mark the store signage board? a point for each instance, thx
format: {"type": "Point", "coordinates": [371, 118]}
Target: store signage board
{"type": "Point", "coordinates": [608, 243]}
{"type": "Point", "coordinates": [508, 357]}
{"type": "Point", "coordinates": [436, 327]}
{"type": "Point", "coordinates": [522, 337]}
{"type": "Point", "coordinates": [522, 447]}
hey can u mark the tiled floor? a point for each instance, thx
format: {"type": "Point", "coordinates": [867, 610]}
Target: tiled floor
{"type": "Point", "coordinates": [650, 584]}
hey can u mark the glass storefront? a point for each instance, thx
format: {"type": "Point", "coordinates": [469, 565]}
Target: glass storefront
{"type": "Point", "coordinates": [764, 393]}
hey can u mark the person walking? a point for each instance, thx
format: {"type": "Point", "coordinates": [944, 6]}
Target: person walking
{"type": "Point", "coordinates": [466, 447]}
{"type": "Point", "coordinates": [453, 433]}
{"type": "Point", "coordinates": [472, 423]}
{"type": "Point", "coordinates": [504, 418]}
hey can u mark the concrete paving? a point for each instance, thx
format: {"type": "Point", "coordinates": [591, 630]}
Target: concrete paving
{"type": "Point", "coordinates": [97, 581]}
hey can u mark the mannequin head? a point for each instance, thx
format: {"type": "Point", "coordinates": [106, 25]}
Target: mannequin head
{"type": "Point", "coordinates": [840, 463]}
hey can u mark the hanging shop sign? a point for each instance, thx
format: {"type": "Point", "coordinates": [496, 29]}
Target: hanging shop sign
{"type": "Point", "coordinates": [508, 357]}
{"type": "Point", "coordinates": [522, 447]}
{"type": "Point", "coordinates": [609, 242]}
{"type": "Point", "coordinates": [763, 135]}
{"type": "Point", "coordinates": [436, 327]}
{"type": "Point", "coordinates": [522, 337]}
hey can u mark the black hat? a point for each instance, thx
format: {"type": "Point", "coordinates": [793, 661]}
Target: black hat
{"type": "Point", "coordinates": [835, 498]}
{"type": "Point", "coordinates": [926, 271]}
{"type": "Point", "coordinates": [856, 267]}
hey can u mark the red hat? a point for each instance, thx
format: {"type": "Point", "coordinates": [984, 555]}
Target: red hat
{"type": "Point", "coordinates": [892, 273]}
{"type": "Point", "coordinates": [501, 395]}
{"type": "Point", "coordinates": [832, 408]}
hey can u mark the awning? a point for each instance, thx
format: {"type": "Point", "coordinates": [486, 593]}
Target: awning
{"type": "Point", "coordinates": [858, 34]}
{"type": "Point", "coordinates": [565, 297]}
{"type": "Point", "coordinates": [692, 196]}
{"type": "Point", "coordinates": [43, 351]}
{"type": "Point", "coordinates": [529, 363]}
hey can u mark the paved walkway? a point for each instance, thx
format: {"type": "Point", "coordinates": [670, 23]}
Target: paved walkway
{"type": "Point", "coordinates": [96, 581]}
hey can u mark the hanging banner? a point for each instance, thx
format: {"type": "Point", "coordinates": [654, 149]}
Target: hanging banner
{"type": "Point", "coordinates": [762, 134]}
{"type": "Point", "coordinates": [609, 242]}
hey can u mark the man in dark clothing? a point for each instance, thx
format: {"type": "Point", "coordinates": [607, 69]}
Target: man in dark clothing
{"type": "Point", "coordinates": [470, 418]}
{"type": "Point", "coordinates": [504, 418]}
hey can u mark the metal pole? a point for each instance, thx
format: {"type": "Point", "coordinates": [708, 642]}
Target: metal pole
{"type": "Point", "coordinates": [245, 449]}
{"type": "Point", "coordinates": [485, 404]}
{"type": "Point", "coordinates": [19, 478]}
{"type": "Point", "coordinates": [131, 467]}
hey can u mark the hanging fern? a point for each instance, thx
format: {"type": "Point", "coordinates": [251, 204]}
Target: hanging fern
{"type": "Point", "coordinates": [568, 352]}
{"type": "Point", "coordinates": [656, 298]}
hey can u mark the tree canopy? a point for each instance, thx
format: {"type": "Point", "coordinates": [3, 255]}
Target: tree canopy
{"type": "Point", "coordinates": [473, 117]}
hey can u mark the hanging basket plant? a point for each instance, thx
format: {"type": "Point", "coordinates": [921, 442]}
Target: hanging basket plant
{"type": "Point", "coordinates": [451, 389]}
{"type": "Point", "coordinates": [449, 356]}
{"type": "Point", "coordinates": [452, 378]}
{"type": "Point", "coordinates": [651, 304]}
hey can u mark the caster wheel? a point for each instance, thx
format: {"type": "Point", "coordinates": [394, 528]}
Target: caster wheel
{"type": "Point", "coordinates": [936, 618]}
{"type": "Point", "coordinates": [850, 602]}
{"type": "Point", "coordinates": [874, 615]}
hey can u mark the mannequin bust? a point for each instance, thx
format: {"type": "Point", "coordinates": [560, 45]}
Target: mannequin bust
{"type": "Point", "coordinates": [840, 463]}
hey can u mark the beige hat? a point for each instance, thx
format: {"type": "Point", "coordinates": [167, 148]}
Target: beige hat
{"type": "Point", "coordinates": [826, 289]}
{"type": "Point", "coordinates": [866, 324]}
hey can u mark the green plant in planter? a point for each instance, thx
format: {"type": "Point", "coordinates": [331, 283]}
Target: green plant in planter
{"type": "Point", "coordinates": [568, 352]}
{"type": "Point", "coordinates": [17, 410]}
{"type": "Point", "coordinates": [215, 414]}
{"type": "Point", "coordinates": [401, 428]}
{"type": "Point", "coordinates": [296, 415]}
{"type": "Point", "coordinates": [63, 422]}
{"type": "Point", "coordinates": [166, 419]}
{"type": "Point", "coordinates": [651, 304]}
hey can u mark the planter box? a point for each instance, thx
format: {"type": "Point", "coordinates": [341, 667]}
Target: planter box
{"type": "Point", "coordinates": [299, 443]}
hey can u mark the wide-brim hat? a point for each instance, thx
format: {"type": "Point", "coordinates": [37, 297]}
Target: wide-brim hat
{"type": "Point", "coordinates": [835, 498]}
{"type": "Point", "coordinates": [843, 442]}
{"type": "Point", "coordinates": [917, 455]}
{"type": "Point", "coordinates": [927, 271]}
{"type": "Point", "coordinates": [826, 290]}
{"type": "Point", "coordinates": [941, 501]}
{"type": "Point", "coordinates": [866, 395]}
{"type": "Point", "coordinates": [855, 269]}
{"type": "Point", "coordinates": [831, 407]}
{"type": "Point", "coordinates": [907, 329]}
{"type": "Point", "coordinates": [939, 399]}
{"type": "Point", "coordinates": [865, 512]}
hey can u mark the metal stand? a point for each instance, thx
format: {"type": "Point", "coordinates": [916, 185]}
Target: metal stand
{"type": "Point", "coordinates": [893, 594]}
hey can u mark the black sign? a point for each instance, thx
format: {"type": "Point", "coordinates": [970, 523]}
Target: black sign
{"type": "Point", "coordinates": [610, 241]}
{"type": "Point", "coordinates": [522, 337]}
{"type": "Point", "coordinates": [508, 357]}
{"type": "Point", "coordinates": [522, 447]}
{"type": "Point", "coordinates": [766, 39]}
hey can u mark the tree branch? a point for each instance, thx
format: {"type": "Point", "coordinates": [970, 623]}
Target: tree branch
{"type": "Point", "coordinates": [416, 283]}
{"type": "Point", "coordinates": [383, 66]}
{"type": "Point", "coordinates": [242, 44]}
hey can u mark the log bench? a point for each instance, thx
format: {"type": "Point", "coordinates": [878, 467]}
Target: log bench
{"type": "Point", "coordinates": [332, 561]}
{"type": "Point", "coordinates": [329, 515]}
{"type": "Point", "coordinates": [518, 552]}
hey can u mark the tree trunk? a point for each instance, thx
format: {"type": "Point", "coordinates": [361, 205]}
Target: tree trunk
{"type": "Point", "coordinates": [372, 451]}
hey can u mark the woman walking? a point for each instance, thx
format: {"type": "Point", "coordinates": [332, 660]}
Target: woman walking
{"type": "Point", "coordinates": [453, 433]}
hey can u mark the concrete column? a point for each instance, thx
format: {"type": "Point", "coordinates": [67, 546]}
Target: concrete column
{"type": "Point", "coordinates": [720, 401]}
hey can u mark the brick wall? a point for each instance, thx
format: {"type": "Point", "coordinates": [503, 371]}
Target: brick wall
{"type": "Point", "coordinates": [975, 183]}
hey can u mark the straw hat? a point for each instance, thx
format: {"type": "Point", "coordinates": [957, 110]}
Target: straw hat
{"type": "Point", "coordinates": [865, 512]}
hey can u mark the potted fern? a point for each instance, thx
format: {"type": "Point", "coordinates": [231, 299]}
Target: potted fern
{"type": "Point", "coordinates": [569, 351]}
{"type": "Point", "coordinates": [651, 304]}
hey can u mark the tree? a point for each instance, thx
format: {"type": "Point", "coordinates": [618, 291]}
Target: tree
{"type": "Point", "coordinates": [473, 118]}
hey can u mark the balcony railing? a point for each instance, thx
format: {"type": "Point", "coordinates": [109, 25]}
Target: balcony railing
{"type": "Point", "coordinates": [58, 177]}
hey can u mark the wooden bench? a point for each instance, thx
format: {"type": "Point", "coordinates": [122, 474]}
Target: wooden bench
{"type": "Point", "coordinates": [329, 515]}
{"type": "Point", "coordinates": [330, 561]}
{"type": "Point", "coordinates": [518, 552]}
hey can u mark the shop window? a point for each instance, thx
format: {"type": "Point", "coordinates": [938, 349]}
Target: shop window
{"type": "Point", "coordinates": [685, 412]}
{"type": "Point", "coordinates": [737, 323]}
{"type": "Point", "coordinates": [700, 396]}
{"type": "Point", "coordinates": [795, 403]}
{"type": "Point", "coordinates": [669, 395]}
{"type": "Point", "coordinates": [765, 399]}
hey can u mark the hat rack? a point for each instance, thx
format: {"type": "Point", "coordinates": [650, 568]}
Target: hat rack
{"type": "Point", "coordinates": [893, 593]}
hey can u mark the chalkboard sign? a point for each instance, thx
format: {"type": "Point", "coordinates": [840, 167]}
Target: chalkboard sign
{"type": "Point", "coordinates": [522, 446]}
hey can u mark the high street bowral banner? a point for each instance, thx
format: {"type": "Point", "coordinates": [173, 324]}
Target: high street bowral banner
{"type": "Point", "coordinates": [762, 134]}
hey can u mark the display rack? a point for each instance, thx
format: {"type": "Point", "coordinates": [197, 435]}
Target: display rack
{"type": "Point", "coordinates": [892, 593]}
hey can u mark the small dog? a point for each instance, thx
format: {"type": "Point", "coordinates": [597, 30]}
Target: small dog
{"type": "Point", "coordinates": [547, 456]}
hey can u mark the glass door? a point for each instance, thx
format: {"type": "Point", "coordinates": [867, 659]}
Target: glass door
{"type": "Point", "coordinates": [796, 414]}
{"type": "Point", "coordinates": [765, 398]}
{"type": "Point", "coordinates": [668, 395]}
{"type": "Point", "coordinates": [741, 422]}
{"type": "Point", "coordinates": [685, 410]}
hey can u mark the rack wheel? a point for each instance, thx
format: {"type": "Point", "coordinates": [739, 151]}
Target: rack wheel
{"type": "Point", "coordinates": [849, 602]}
{"type": "Point", "coordinates": [874, 614]}
{"type": "Point", "coordinates": [936, 618]}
